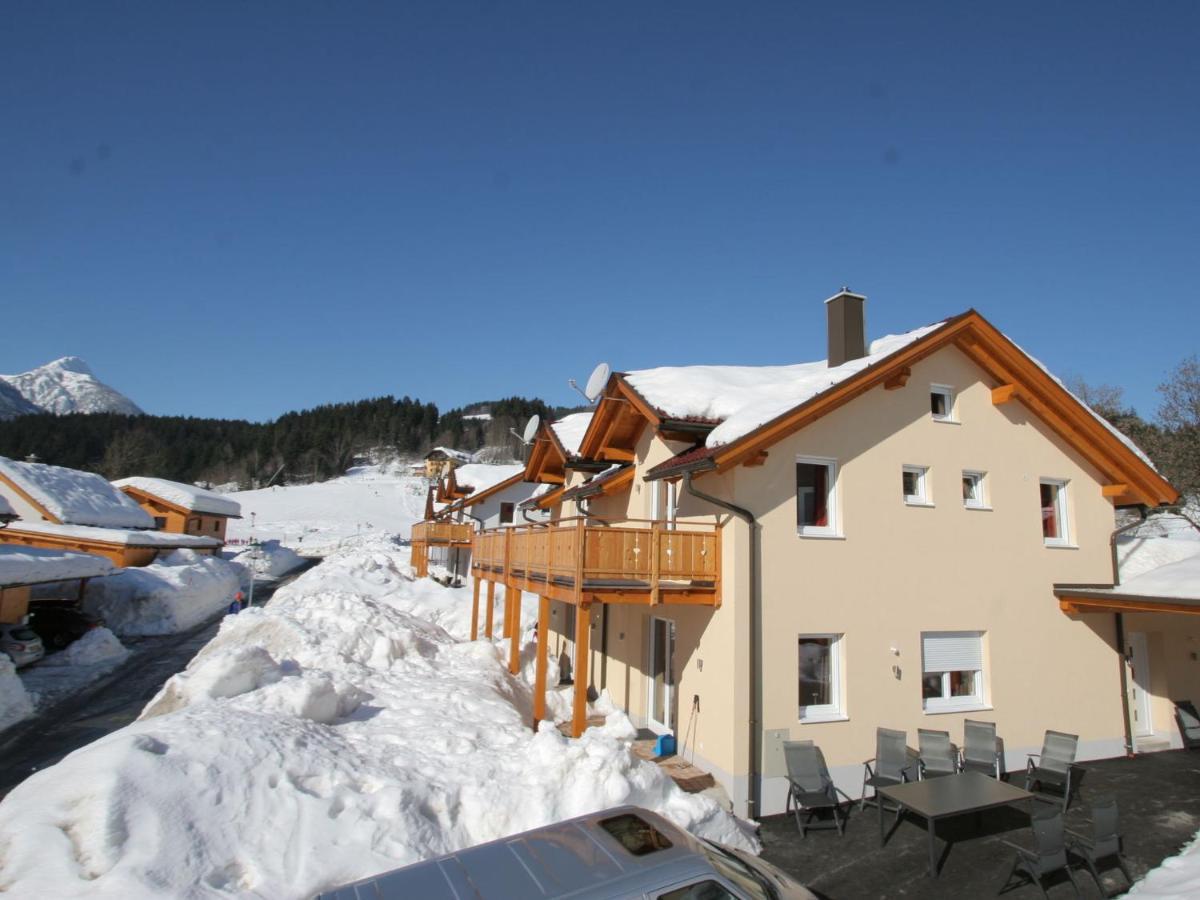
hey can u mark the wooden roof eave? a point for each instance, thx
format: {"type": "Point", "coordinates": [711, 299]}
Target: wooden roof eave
{"type": "Point", "coordinates": [618, 396]}
{"type": "Point", "coordinates": [602, 487]}
{"type": "Point", "coordinates": [1099, 598]}
{"type": "Point", "coordinates": [547, 449]}
{"type": "Point", "coordinates": [974, 335]}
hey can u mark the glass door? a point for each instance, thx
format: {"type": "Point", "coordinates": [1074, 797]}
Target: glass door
{"type": "Point", "coordinates": [661, 680]}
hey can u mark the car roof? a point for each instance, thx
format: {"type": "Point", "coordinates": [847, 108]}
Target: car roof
{"type": "Point", "coordinates": [576, 858]}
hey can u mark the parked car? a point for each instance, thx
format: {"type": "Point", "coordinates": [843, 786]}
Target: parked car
{"type": "Point", "coordinates": [622, 852]}
{"type": "Point", "coordinates": [59, 623]}
{"type": "Point", "coordinates": [21, 644]}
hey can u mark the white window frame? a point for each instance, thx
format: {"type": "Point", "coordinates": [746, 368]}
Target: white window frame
{"type": "Point", "coordinates": [1060, 510]}
{"type": "Point", "coordinates": [947, 703]}
{"type": "Point", "coordinates": [921, 498]}
{"type": "Point", "coordinates": [981, 495]}
{"type": "Point", "coordinates": [825, 712]}
{"type": "Point", "coordinates": [833, 528]}
{"type": "Point", "coordinates": [948, 392]}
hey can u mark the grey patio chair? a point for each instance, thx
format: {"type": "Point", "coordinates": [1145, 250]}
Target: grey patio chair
{"type": "Point", "coordinates": [891, 764]}
{"type": "Point", "coordinates": [981, 750]}
{"type": "Point", "coordinates": [1103, 844]}
{"type": "Point", "coordinates": [1054, 764]}
{"type": "Point", "coordinates": [810, 787]}
{"type": "Point", "coordinates": [1049, 854]}
{"type": "Point", "coordinates": [938, 756]}
{"type": "Point", "coordinates": [1188, 721]}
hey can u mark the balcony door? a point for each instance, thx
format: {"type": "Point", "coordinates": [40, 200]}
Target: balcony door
{"type": "Point", "coordinates": [660, 681]}
{"type": "Point", "coordinates": [664, 499]}
{"type": "Point", "coordinates": [1137, 656]}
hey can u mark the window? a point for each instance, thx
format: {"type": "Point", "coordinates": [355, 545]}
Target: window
{"type": "Point", "coordinates": [506, 513]}
{"type": "Point", "coordinates": [216, 524]}
{"type": "Point", "coordinates": [952, 670]}
{"type": "Point", "coordinates": [816, 480]}
{"type": "Point", "coordinates": [941, 403]}
{"type": "Point", "coordinates": [820, 677]}
{"type": "Point", "coordinates": [193, 525]}
{"type": "Point", "coordinates": [972, 490]}
{"type": "Point", "coordinates": [913, 480]}
{"type": "Point", "coordinates": [1054, 513]}
{"type": "Point", "coordinates": [699, 890]}
{"type": "Point", "coordinates": [160, 523]}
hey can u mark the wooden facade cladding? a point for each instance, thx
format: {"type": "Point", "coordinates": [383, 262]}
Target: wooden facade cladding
{"type": "Point", "coordinates": [586, 560]}
{"type": "Point", "coordinates": [424, 534]}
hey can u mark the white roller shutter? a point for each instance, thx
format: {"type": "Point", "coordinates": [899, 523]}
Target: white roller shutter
{"type": "Point", "coordinates": [952, 651]}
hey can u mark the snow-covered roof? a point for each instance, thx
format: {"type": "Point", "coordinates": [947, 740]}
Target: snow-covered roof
{"type": "Point", "coordinates": [1177, 581]}
{"type": "Point", "coordinates": [188, 496]}
{"type": "Point", "coordinates": [450, 453]}
{"type": "Point", "coordinates": [75, 497]}
{"type": "Point", "coordinates": [125, 537]}
{"type": "Point", "coordinates": [36, 565]}
{"type": "Point", "coordinates": [571, 429]}
{"type": "Point", "coordinates": [741, 398]}
{"type": "Point", "coordinates": [481, 476]}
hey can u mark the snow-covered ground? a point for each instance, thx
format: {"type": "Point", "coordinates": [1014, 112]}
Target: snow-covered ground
{"type": "Point", "coordinates": [270, 560]}
{"type": "Point", "coordinates": [343, 729]}
{"type": "Point", "coordinates": [316, 518]}
{"type": "Point", "coordinates": [15, 702]}
{"type": "Point", "coordinates": [1178, 878]}
{"type": "Point", "coordinates": [60, 674]}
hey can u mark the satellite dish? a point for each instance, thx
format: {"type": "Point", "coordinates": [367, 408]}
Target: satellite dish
{"type": "Point", "coordinates": [531, 428]}
{"type": "Point", "coordinates": [597, 381]}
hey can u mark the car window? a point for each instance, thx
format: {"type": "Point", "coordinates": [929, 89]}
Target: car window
{"type": "Point", "coordinates": [22, 634]}
{"type": "Point", "coordinates": [744, 876]}
{"type": "Point", "coordinates": [701, 890]}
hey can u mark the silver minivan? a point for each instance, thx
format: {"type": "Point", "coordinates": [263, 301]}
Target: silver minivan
{"type": "Point", "coordinates": [620, 852]}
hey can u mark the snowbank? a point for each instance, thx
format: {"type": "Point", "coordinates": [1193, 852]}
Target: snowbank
{"type": "Point", "coordinates": [15, 704]}
{"type": "Point", "coordinates": [271, 560]}
{"type": "Point", "coordinates": [335, 733]}
{"type": "Point", "coordinates": [170, 595]}
{"type": "Point", "coordinates": [1178, 878]}
{"type": "Point", "coordinates": [74, 497]}
{"type": "Point", "coordinates": [63, 674]}
{"type": "Point", "coordinates": [97, 646]}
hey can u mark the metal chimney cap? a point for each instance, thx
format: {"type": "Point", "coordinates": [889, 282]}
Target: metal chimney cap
{"type": "Point", "coordinates": [846, 292]}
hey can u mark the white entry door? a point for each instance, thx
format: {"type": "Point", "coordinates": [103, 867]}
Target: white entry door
{"type": "Point", "coordinates": [1138, 656]}
{"type": "Point", "coordinates": [660, 680]}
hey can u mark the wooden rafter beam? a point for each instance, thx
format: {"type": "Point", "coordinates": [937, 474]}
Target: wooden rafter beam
{"type": "Point", "coordinates": [1003, 394]}
{"type": "Point", "coordinates": [1114, 490]}
{"type": "Point", "coordinates": [757, 459]}
{"type": "Point", "coordinates": [898, 379]}
{"type": "Point", "coordinates": [616, 455]}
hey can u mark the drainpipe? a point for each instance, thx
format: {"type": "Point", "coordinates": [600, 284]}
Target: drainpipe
{"type": "Point", "coordinates": [755, 667]}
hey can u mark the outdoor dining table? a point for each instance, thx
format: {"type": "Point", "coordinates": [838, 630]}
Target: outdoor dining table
{"type": "Point", "coordinates": [950, 795]}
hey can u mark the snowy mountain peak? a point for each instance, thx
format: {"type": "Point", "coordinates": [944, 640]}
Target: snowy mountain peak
{"type": "Point", "coordinates": [66, 385]}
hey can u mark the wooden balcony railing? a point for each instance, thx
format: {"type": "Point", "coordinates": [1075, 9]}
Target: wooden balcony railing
{"type": "Point", "coordinates": [585, 559]}
{"type": "Point", "coordinates": [442, 532]}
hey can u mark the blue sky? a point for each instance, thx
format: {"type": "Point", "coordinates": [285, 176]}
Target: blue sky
{"type": "Point", "coordinates": [237, 209]}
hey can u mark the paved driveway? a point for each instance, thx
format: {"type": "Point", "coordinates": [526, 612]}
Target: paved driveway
{"type": "Point", "coordinates": [1159, 799]}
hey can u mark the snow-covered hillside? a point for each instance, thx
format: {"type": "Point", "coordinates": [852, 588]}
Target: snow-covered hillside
{"type": "Point", "coordinates": [315, 518]}
{"type": "Point", "coordinates": [66, 385]}
{"type": "Point", "coordinates": [13, 402]}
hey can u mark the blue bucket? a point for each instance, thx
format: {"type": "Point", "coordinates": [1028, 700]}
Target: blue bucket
{"type": "Point", "coordinates": [665, 745]}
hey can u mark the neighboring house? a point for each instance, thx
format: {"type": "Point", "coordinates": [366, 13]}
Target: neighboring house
{"type": "Point", "coordinates": [21, 568]}
{"type": "Point", "coordinates": [182, 508]}
{"type": "Point", "coordinates": [748, 555]}
{"type": "Point", "coordinates": [440, 461]}
{"type": "Point", "coordinates": [65, 509]}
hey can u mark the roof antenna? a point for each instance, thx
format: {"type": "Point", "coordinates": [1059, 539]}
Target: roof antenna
{"type": "Point", "coordinates": [595, 383]}
{"type": "Point", "coordinates": [531, 428]}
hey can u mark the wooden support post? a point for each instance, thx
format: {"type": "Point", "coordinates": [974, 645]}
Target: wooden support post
{"type": "Point", "coordinates": [475, 609]}
{"type": "Point", "coordinates": [490, 612]}
{"type": "Point", "coordinates": [539, 670]}
{"type": "Point", "coordinates": [514, 629]}
{"type": "Point", "coordinates": [506, 625]}
{"type": "Point", "coordinates": [655, 553]}
{"type": "Point", "coordinates": [583, 629]}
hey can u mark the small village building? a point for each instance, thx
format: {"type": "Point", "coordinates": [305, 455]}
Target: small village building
{"type": "Point", "coordinates": [182, 508]}
{"type": "Point", "coordinates": [66, 509]}
{"type": "Point", "coordinates": [441, 461]}
{"type": "Point", "coordinates": [22, 568]}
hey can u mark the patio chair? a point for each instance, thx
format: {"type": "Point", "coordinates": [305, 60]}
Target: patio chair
{"type": "Point", "coordinates": [810, 787]}
{"type": "Point", "coordinates": [1103, 844]}
{"type": "Point", "coordinates": [1054, 764]}
{"type": "Point", "coordinates": [891, 764]}
{"type": "Point", "coordinates": [1048, 856]}
{"type": "Point", "coordinates": [981, 750]}
{"type": "Point", "coordinates": [938, 756]}
{"type": "Point", "coordinates": [1188, 721]}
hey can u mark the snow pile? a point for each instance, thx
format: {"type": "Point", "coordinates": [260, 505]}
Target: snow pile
{"type": "Point", "coordinates": [270, 560]}
{"type": "Point", "coordinates": [570, 430]}
{"type": "Point", "coordinates": [1178, 878]}
{"type": "Point", "coordinates": [185, 496]}
{"type": "Point", "coordinates": [75, 497]}
{"type": "Point", "coordinates": [1138, 555]}
{"type": "Point", "coordinates": [333, 734]}
{"type": "Point", "coordinates": [15, 704]}
{"type": "Point", "coordinates": [742, 398]}
{"type": "Point", "coordinates": [170, 595]}
{"type": "Point", "coordinates": [35, 565]}
{"type": "Point", "coordinates": [67, 385]}
{"type": "Point", "coordinates": [97, 646]}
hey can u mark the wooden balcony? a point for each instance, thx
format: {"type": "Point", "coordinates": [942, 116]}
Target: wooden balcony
{"type": "Point", "coordinates": [441, 534]}
{"type": "Point", "coordinates": [588, 560]}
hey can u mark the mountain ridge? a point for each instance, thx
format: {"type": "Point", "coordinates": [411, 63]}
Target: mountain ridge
{"type": "Point", "coordinates": [65, 385]}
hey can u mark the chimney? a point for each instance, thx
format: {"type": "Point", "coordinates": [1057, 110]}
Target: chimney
{"type": "Point", "coordinates": [845, 313]}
